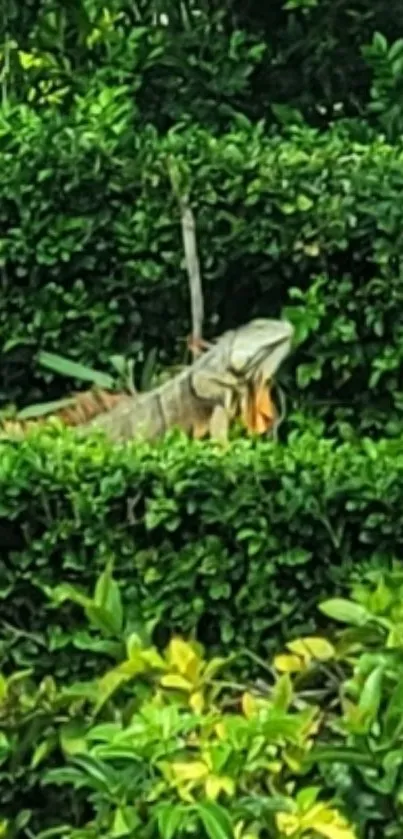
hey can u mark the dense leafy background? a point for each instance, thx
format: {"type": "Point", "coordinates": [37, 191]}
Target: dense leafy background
{"type": "Point", "coordinates": [284, 121]}
{"type": "Point", "coordinates": [98, 102]}
{"type": "Point", "coordinates": [236, 546]}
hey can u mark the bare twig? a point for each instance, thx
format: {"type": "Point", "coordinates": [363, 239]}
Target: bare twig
{"type": "Point", "coordinates": [193, 270]}
{"type": "Point", "coordinates": [192, 263]}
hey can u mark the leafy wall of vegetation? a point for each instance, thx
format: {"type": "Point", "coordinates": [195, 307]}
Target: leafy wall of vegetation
{"type": "Point", "coordinates": [93, 260]}
{"type": "Point", "coordinates": [284, 122]}
{"type": "Point", "coordinates": [168, 742]}
{"type": "Point", "coordinates": [233, 546]}
{"type": "Point", "coordinates": [90, 249]}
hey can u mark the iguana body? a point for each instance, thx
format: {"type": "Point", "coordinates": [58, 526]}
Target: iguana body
{"type": "Point", "coordinates": [230, 380]}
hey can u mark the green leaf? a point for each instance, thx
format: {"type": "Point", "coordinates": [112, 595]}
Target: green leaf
{"type": "Point", "coordinates": [287, 208]}
{"type": "Point", "coordinates": [99, 774]}
{"type": "Point", "coordinates": [72, 738]}
{"type": "Point", "coordinates": [307, 797]}
{"type": "Point", "coordinates": [66, 367]}
{"type": "Point", "coordinates": [125, 822]}
{"type": "Point", "coordinates": [65, 591]}
{"type": "Point", "coordinates": [102, 619]}
{"type": "Point", "coordinates": [393, 720]}
{"type": "Point", "coordinates": [304, 202]}
{"type": "Point", "coordinates": [287, 115]}
{"type": "Point", "coordinates": [5, 747]}
{"type": "Point", "coordinates": [351, 757]}
{"type": "Point", "coordinates": [345, 611]}
{"type": "Point", "coordinates": [107, 597]}
{"type": "Point", "coordinates": [43, 750]}
{"type": "Point", "coordinates": [169, 818]}
{"type": "Point", "coordinates": [44, 408]}
{"type": "Point", "coordinates": [282, 693]}
{"type": "Point", "coordinates": [148, 371]}
{"type": "Point", "coordinates": [66, 775]}
{"type": "Point", "coordinates": [216, 820]}
{"type": "Point", "coordinates": [371, 694]}
{"type": "Point", "coordinates": [380, 43]}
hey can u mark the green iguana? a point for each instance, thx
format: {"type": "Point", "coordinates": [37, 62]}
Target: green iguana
{"type": "Point", "coordinates": [230, 380]}
{"type": "Point", "coordinates": [206, 396]}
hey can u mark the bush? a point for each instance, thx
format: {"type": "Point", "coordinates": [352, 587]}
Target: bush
{"type": "Point", "coordinates": [207, 61]}
{"type": "Point", "coordinates": [232, 546]}
{"type": "Point", "coordinates": [168, 743]}
{"type": "Point", "coordinates": [317, 49]}
{"type": "Point", "coordinates": [92, 250]}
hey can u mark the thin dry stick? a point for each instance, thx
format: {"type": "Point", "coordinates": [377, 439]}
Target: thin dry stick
{"type": "Point", "coordinates": [193, 271]}
{"type": "Point", "coordinates": [178, 179]}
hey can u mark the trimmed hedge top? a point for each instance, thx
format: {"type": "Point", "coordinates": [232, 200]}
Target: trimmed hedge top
{"type": "Point", "coordinates": [231, 545]}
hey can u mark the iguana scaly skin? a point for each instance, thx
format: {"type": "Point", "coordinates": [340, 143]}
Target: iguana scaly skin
{"type": "Point", "coordinates": [230, 380]}
{"type": "Point", "coordinates": [205, 397]}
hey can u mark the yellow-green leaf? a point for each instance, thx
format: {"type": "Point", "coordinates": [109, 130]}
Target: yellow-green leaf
{"type": "Point", "coordinates": [312, 648]}
{"type": "Point", "coordinates": [28, 60]}
{"type": "Point", "coordinates": [289, 663]}
{"type": "Point", "coordinates": [215, 784]}
{"type": "Point", "coordinates": [196, 702]}
{"type": "Point", "coordinates": [320, 819]}
{"type": "Point", "coordinates": [249, 705]}
{"type": "Point", "coordinates": [182, 656]}
{"type": "Point", "coordinates": [153, 659]}
{"type": "Point", "coordinates": [193, 771]}
{"type": "Point", "coordinates": [287, 823]}
{"type": "Point", "coordinates": [282, 692]}
{"type": "Point", "coordinates": [172, 680]}
{"type": "Point", "coordinates": [220, 730]}
{"type": "Point", "coordinates": [333, 831]}
{"type": "Point", "coordinates": [337, 828]}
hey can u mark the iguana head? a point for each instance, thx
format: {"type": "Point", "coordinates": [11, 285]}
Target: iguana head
{"type": "Point", "coordinates": [259, 347]}
{"type": "Point", "coordinates": [256, 354]}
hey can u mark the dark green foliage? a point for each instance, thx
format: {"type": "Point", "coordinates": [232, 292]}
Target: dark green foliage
{"type": "Point", "coordinates": [306, 54]}
{"type": "Point", "coordinates": [235, 545]}
{"type": "Point", "coordinates": [317, 45]}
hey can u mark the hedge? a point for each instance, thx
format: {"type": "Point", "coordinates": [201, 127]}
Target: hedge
{"type": "Point", "coordinates": [93, 262]}
{"type": "Point", "coordinates": [91, 759]}
{"type": "Point", "coordinates": [235, 546]}
{"type": "Point", "coordinates": [209, 60]}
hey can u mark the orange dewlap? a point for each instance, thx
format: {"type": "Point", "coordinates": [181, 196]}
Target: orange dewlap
{"type": "Point", "coordinates": [259, 412]}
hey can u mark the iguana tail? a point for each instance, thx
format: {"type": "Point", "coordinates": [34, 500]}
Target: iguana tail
{"type": "Point", "coordinates": [84, 407]}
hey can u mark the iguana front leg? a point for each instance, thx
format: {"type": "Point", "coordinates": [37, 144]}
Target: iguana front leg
{"type": "Point", "coordinates": [219, 425]}
{"type": "Point", "coordinates": [218, 392]}
{"type": "Point", "coordinates": [197, 345]}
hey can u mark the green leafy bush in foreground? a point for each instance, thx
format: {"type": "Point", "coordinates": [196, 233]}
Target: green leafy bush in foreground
{"type": "Point", "coordinates": [165, 744]}
{"type": "Point", "coordinates": [232, 545]}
